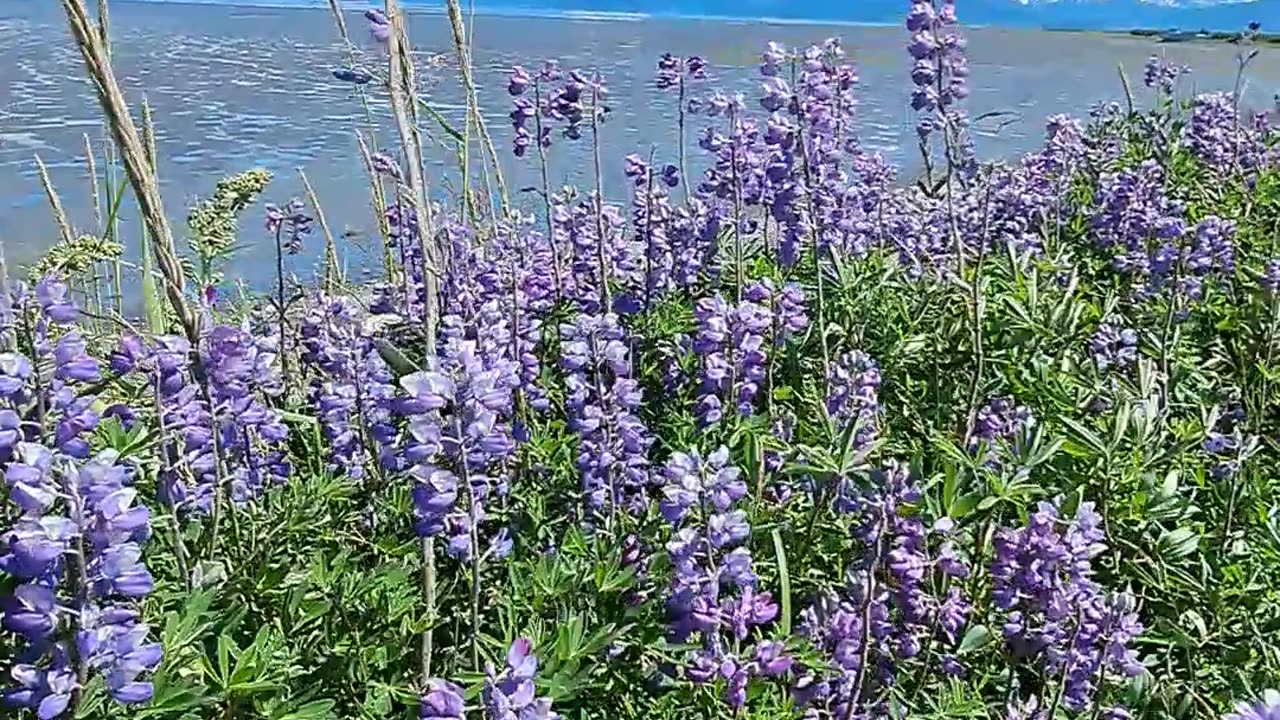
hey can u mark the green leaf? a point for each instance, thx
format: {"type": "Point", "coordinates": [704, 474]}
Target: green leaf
{"type": "Point", "coordinates": [784, 578]}
{"type": "Point", "coordinates": [310, 711]}
{"type": "Point", "coordinates": [1179, 543]}
{"type": "Point", "coordinates": [1084, 436]}
{"type": "Point", "coordinates": [975, 639]}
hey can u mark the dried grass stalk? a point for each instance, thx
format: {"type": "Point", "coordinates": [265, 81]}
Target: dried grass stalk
{"type": "Point", "coordinates": [403, 107]}
{"type": "Point", "coordinates": [92, 44]}
{"type": "Point", "coordinates": [462, 52]}
{"type": "Point", "coordinates": [379, 197]}
{"type": "Point", "coordinates": [55, 202]}
{"type": "Point", "coordinates": [330, 274]}
{"type": "Point", "coordinates": [91, 167]}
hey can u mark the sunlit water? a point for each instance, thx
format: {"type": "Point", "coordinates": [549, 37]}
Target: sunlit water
{"type": "Point", "coordinates": [238, 87]}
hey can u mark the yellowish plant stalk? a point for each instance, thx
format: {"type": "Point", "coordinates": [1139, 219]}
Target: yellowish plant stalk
{"type": "Point", "coordinates": [92, 45]}
{"type": "Point", "coordinates": [462, 52]}
{"type": "Point", "coordinates": [91, 167]}
{"type": "Point", "coordinates": [55, 202]}
{"type": "Point", "coordinates": [403, 102]}
{"type": "Point", "coordinates": [329, 277]}
{"type": "Point", "coordinates": [379, 200]}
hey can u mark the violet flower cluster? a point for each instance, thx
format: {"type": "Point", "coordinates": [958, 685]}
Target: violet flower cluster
{"type": "Point", "coordinates": [442, 701]}
{"type": "Point", "coordinates": [616, 258]}
{"type": "Point", "coordinates": [852, 401]}
{"type": "Point", "coordinates": [510, 694]}
{"type": "Point", "coordinates": [242, 371]}
{"type": "Point", "coordinates": [941, 69]}
{"type": "Point", "coordinates": [602, 403]}
{"type": "Point", "coordinates": [651, 218]}
{"type": "Point", "coordinates": [673, 71]}
{"type": "Point", "coordinates": [731, 343]}
{"type": "Point", "coordinates": [540, 108]}
{"type": "Point", "coordinates": [406, 296]}
{"type": "Point", "coordinates": [458, 439]}
{"type": "Point", "coordinates": [904, 596]}
{"type": "Point", "coordinates": [1055, 614]}
{"type": "Point", "coordinates": [74, 551]}
{"type": "Point", "coordinates": [494, 293]}
{"type": "Point", "coordinates": [1266, 707]}
{"type": "Point", "coordinates": [1226, 443]}
{"type": "Point", "coordinates": [1001, 419]}
{"type": "Point", "coordinates": [289, 224]}
{"type": "Point", "coordinates": [351, 388]}
{"type": "Point", "coordinates": [1162, 75]}
{"type": "Point", "coordinates": [787, 307]}
{"type": "Point", "coordinates": [713, 591]}
{"type": "Point", "coordinates": [1113, 346]}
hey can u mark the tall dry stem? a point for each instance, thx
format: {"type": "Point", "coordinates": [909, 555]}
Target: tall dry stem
{"type": "Point", "coordinates": [403, 104]}
{"type": "Point", "coordinates": [92, 44]}
{"type": "Point", "coordinates": [91, 168]}
{"type": "Point", "coordinates": [55, 202]}
{"type": "Point", "coordinates": [462, 52]}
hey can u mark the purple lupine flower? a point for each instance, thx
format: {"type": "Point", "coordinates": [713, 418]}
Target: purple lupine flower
{"type": "Point", "coordinates": [72, 511]}
{"type": "Point", "coordinates": [1226, 444]}
{"type": "Point", "coordinates": [351, 391]}
{"type": "Point", "coordinates": [651, 217]}
{"type": "Point", "coordinates": [1055, 613]}
{"type": "Point", "coordinates": [1162, 75]}
{"type": "Point", "coordinates": [242, 371]}
{"type": "Point", "coordinates": [852, 400]}
{"type": "Point", "coordinates": [1136, 221]}
{"type": "Point", "coordinates": [941, 69]}
{"type": "Point", "coordinates": [442, 701]}
{"type": "Point", "coordinates": [1001, 419]}
{"type": "Point", "coordinates": [603, 401]}
{"type": "Point", "coordinates": [787, 306]}
{"type": "Point", "coordinates": [710, 562]}
{"type": "Point", "coordinates": [618, 258]}
{"type": "Point", "coordinates": [1269, 280]}
{"type": "Point", "coordinates": [1113, 346]}
{"type": "Point", "coordinates": [731, 344]}
{"type": "Point", "coordinates": [379, 27]}
{"type": "Point", "coordinates": [1214, 134]}
{"type": "Point", "coordinates": [459, 437]}
{"type": "Point", "coordinates": [1266, 707]}
{"type": "Point", "coordinates": [672, 70]}
{"type": "Point", "coordinates": [1209, 254]}
{"type": "Point", "coordinates": [52, 296]}
{"type": "Point", "coordinates": [289, 223]}
{"type": "Point", "coordinates": [510, 694]}
{"type": "Point", "coordinates": [891, 610]}
{"type": "Point", "coordinates": [694, 234]}
{"type": "Point", "coordinates": [44, 689]}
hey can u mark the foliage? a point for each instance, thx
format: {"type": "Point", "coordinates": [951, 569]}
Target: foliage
{"type": "Point", "coordinates": [793, 440]}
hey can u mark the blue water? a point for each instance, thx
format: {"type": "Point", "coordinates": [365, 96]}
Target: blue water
{"type": "Point", "coordinates": [235, 87]}
{"type": "Point", "coordinates": [1218, 15]}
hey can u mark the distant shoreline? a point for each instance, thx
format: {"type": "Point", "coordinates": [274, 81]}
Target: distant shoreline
{"type": "Point", "coordinates": [1177, 36]}
{"type": "Point", "coordinates": [1165, 25]}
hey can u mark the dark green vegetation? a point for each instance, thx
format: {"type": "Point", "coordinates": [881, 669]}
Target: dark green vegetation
{"type": "Point", "coordinates": [778, 438]}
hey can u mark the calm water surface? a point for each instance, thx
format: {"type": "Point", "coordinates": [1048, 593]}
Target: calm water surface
{"type": "Point", "coordinates": [236, 87]}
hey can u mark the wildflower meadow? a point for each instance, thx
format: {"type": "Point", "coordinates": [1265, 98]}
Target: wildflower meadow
{"type": "Point", "coordinates": [775, 430]}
